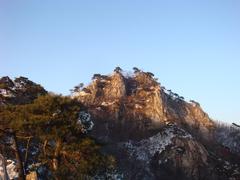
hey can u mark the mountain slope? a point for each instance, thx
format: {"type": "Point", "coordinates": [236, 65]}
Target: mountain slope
{"type": "Point", "coordinates": [19, 91]}
{"type": "Point", "coordinates": [120, 126]}
{"type": "Point", "coordinates": [153, 132]}
{"type": "Point", "coordinates": [141, 103]}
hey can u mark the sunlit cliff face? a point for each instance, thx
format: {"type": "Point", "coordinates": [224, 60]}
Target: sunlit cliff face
{"type": "Point", "coordinates": [136, 104]}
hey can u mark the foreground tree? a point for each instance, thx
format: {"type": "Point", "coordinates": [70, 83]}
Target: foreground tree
{"type": "Point", "coordinates": [60, 131]}
{"type": "Point", "coordinates": [11, 135]}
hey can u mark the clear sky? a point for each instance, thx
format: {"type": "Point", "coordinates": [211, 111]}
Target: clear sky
{"type": "Point", "coordinates": [193, 47]}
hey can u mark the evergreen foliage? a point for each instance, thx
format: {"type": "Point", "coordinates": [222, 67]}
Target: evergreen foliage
{"type": "Point", "coordinates": [53, 122]}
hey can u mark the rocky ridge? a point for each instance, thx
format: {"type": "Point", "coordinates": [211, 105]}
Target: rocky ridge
{"type": "Point", "coordinates": [19, 91]}
{"type": "Point", "coordinates": [141, 104]}
{"type": "Point", "coordinates": [154, 133]}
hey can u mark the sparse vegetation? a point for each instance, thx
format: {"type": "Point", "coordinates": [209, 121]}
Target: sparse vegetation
{"type": "Point", "coordinates": [228, 135]}
{"type": "Point", "coordinates": [136, 70]}
{"type": "Point", "coordinates": [117, 70]}
{"type": "Point", "coordinates": [50, 134]}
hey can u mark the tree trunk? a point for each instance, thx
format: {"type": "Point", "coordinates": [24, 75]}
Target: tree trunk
{"type": "Point", "coordinates": [44, 147]}
{"type": "Point", "coordinates": [17, 155]}
{"type": "Point", "coordinates": [4, 176]}
{"type": "Point", "coordinates": [56, 156]}
{"type": "Point", "coordinates": [26, 153]}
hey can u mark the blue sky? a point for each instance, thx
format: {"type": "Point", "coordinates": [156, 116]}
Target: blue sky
{"type": "Point", "coordinates": [193, 47]}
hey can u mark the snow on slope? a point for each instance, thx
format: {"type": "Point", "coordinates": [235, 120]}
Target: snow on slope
{"type": "Point", "coordinates": [145, 149]}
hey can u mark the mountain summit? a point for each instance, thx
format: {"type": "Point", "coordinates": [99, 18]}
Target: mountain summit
{"type": "Point", "coordinates": [19, 91]}
{"type": "Point", "coordinates": [153, 131]}
{"type": "Point", "coordinates": [120, 126]}
{"type": "Point", "coordinates": [139, 103]}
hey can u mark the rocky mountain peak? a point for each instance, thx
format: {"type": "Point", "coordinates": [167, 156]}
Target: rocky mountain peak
{"type": "Point", "coordinates": [157, 133]}
{"type": "Point", "coordinates": [139, 103]}
{"type": "Point", "coordinates": [148, 131]}
{"type": "Point", "coordinates": [21, 90]}
{"type": "Point", "coordinates": [6, 81]}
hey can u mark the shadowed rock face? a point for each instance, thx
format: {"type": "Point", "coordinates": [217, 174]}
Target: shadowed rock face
{"type": "Point", "coordinates": [170, 154]}
{"type": "Point", "coordinates": [186, 158]}
{"type": "Point", "coordinates": [19, 91]}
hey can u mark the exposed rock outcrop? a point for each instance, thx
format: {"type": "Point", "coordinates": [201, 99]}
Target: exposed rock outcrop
{"type": "Point", "coordinates": [19, 91]}
{"type": "Point", "coordinates": [153, 132]}
{"type": "Point", "coordinates": [171, 154]}
{"type": "Point", "coordinates": [139, 103]}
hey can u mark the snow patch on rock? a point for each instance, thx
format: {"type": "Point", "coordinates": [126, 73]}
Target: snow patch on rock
{"type": "Point", "coordinates": [145, 149]}
{"type": "Point", "coordinates": [11, 169]}
{"type": "Point", "coordinates": [229, 136]}
{"type": "Point", "coordinates": [84, 120]}
{"type": "Point", "coordinates": [6, 93]}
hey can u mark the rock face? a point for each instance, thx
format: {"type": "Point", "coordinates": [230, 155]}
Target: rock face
{"type": "Point", "coordinates": [19, 91]}
{"type": "Point", "coordinates": [153, 132]}
{"type": "Point", "coordinates": [139, 103]}
{"type": "Point", "coordinates": [170, 154]}
{"type": "Point", "coordinates": [229, 136]}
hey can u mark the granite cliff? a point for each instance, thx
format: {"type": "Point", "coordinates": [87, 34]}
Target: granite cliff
{"type": "Point", "coordinates": [145, 132]}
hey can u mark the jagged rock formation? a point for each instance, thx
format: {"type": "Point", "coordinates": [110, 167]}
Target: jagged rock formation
{"type": "Point", "coordinates": [19, 91]}
{"type": "Point", "coordinates": [229, 136]}
{"type": "Point", "coordinates": [170, 154]}
{"type": "Point", "coordinates": [154, 133]}
{"type": "Point", "coordinates": [140, 104]}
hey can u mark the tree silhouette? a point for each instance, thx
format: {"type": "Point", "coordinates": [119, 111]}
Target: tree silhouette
{"type": "Point", "coordinates": [78, 87]}
{"type": "Point", "coordinates": [150, 74]}
{"type": "Point", "coordinates": [170, 92]}
{"type": "Point", "coordinates": [136, 70]}
{"type": "Point", "coordinates": [181, 97]}
{"type": "Point", "coordinates": [86, 90]}
{"type": "Point", "coordinates": [194, 102]}
{"type": "Point", "coordinates": [175, 94]}
{"type": "Point", "coordinates": [96, 76]}
{"type": "Point", "coordinates": [236, 125]}
{"type": "Point", "coordinates": [117, 69]}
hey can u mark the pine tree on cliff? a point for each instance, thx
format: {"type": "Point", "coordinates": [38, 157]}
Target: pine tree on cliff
{"type": "Point", "coordinates": [117, 70]}
{"type": "Point", "coordinates": [136, 70]}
